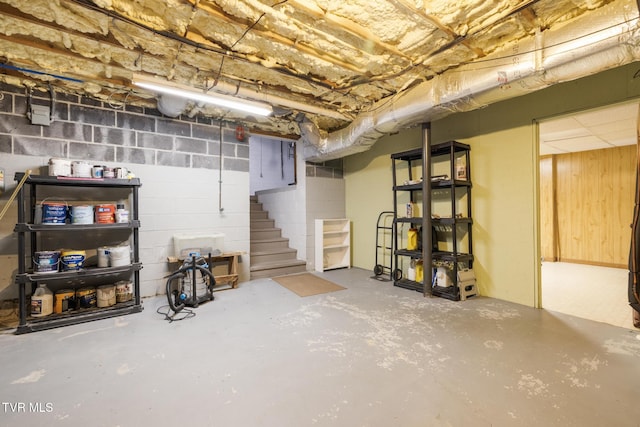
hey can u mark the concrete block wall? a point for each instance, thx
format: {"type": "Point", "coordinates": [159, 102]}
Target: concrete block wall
{"type": "Point", "coordinates": [177, 161]}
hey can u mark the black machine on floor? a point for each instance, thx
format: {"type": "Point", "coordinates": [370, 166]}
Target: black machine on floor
{"type": "Point", "coordinates": [191, 285]}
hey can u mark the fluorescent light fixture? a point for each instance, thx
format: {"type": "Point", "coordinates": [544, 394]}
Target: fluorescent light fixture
{"type": "Point", "coordinates": [221, 100]}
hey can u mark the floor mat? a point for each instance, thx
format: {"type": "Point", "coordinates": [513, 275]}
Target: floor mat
{"type": "Point", "coordinates": [307, 284]}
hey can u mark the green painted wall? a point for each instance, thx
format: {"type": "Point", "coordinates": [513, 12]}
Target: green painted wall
{"type": "Point", "coordinates": [504, 164]}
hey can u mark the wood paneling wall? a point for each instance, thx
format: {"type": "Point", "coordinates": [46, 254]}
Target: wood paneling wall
{"type": "Point", "coordinates": [594, 197]}
{"type": "Point", "coordinates": [548, 217]}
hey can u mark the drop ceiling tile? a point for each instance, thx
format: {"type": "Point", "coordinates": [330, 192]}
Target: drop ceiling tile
{"type": "Point", "coordinates": [547, 149]}
{"type": "Point", "coordinates": [625, 126]}
{"type": "Point", "coordinates": [580, 144]}
{"type": "Point", "coordinates": [607, 115]}
{"type": "Point", "coordinates": [622, 140]}
{"type": "Point", "coordinates": [558, 125]}
{"type": "Point", "coordinates": [568, 129]}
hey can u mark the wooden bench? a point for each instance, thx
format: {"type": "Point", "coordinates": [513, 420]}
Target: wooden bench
{"type": "Point", "coordinates": [227, 277]}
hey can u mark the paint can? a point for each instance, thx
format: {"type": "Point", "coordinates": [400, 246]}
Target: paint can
{"type": "Point", "coordinates": [120, 172]}
{"type": "Point", "coordinates": [119, 256]}
{"type": "Point", "coordinates": [72, 260]}
{"type": "Point", "coordinates": [108, 172]}
{"type": "Point", "coordinates": [82, 214]}
{"type": "Point", "coordinates": [59, 167]}
{"type": "Point", "coordinates": [122, 214]}
{"type": "Point", "coordinates": [81, 169]}
{"type": "Point", "coordinates": [46, 261]}
{"type": "Point", "coordinates": [106, 296]}
{"type": "Point", "coordinates": [97, 171]}
{"type": "Point", "coordinates": [54, 212]}
{"type": "Point", "coordinates": [124, 291]}
{"type": "Point", "coordinates": [86, 297]}
{"type": "Point", "coordinates": [105, 214]}
{"type": "Point", "coordinates": [64, 301]}
{"type": "Point", "coordinates": [103, 256]}
{"type": "Point", "coordinates": [42, 301]}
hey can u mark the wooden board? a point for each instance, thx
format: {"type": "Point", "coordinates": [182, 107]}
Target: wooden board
{"type": "Point", "coordinates": [594, 193]}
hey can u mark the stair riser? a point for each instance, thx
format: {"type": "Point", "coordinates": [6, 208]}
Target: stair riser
{"type": "Point", "coordinates": [264, 234]}
{"type": "Point", "coordinates": [258, 259]}
{"type": "Point", "coordinates": [260, 225]}
{"type": "Point", "coordinates": [258, 215]}
{"type": "Point", "coordinates": [268, 246]}
{"type": "Point", "coordinates": [272, 272]}
{"type": "Point", "coordinates": [255, 206]}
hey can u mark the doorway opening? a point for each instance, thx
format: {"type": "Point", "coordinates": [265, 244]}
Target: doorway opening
{"type": "Point", "coordinates": [272, 163]}
{"type": "Point", "coordinates": [587, 186]}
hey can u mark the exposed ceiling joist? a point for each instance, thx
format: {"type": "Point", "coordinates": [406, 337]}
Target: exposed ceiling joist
{"type": "Point", "coordinates": [333, 60]}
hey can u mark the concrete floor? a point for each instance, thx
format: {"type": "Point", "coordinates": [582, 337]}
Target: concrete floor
{"type": "Point", "coordinates": [370, 355]}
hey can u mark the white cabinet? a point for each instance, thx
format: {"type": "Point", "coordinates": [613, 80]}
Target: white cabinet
{"type": "Point", "coordinates": [333, 244]}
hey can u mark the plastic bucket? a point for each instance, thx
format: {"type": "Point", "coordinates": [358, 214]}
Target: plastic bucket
{"type": "Point", "coordinates": [82, 214]}
{"type": "Point", "coordinates": [106, 295]}
{"type": "Point", "coordinates": [81, 169]}
{"type": "Point", "coordinates": [119, 256]}
{"type": "Point", "coordinates": [86, 297]}
{"type": "Point", "coordinates": [105, 214]}
{"type": "Point", "coordinates": [59, 167]}
{"type": "Point", "coordinates": [72, 260]}
{"type": "Point", "coordinates": [46, 261]}
{"type": "Point", "coordinates": [103, 256]}
{"type": "Point", "coordinates": [64, 301]}
{"type": "Point", "coordinates": [54, 212]}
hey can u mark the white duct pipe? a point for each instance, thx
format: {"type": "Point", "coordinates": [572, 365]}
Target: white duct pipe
{"type": "Point", "coordinates": [595, 42]}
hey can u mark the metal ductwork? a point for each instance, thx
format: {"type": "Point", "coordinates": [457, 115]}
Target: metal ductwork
{"type": "Point", "coordinates": [585, 46]}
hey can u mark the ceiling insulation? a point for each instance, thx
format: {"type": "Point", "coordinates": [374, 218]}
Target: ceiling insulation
{"type": "Point", "coordinates": [332, 62]}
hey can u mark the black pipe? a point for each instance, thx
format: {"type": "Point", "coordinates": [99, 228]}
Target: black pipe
{"type": "Point", "coordinates": [634, 252]}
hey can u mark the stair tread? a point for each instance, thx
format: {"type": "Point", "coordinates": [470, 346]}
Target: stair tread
{"type": "Point", "coordinates": [273, 252]}
{"type": "Point", "coordinates": [277, 264]}
{"type": "Point", "coordinates": [270, 240]}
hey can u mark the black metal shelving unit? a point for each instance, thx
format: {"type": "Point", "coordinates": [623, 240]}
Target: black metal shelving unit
{"type": "Point", "coordinates": [410, 161]}
{"type": "Point", "coordinates": [27, 280]}
{"type": "Point", "coordinates": [451, 228]}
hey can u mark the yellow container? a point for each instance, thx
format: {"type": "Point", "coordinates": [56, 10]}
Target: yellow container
{"type": "Point", "coordinates": [64, 301]}
{"type": "Point", "coordinates": [419, 271]}
{"type": "Point", "coordinates": [412, 239]}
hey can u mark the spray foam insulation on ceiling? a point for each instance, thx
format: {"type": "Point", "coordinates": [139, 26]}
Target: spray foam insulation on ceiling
{"type": "Point", "coordinates": [333, 56]}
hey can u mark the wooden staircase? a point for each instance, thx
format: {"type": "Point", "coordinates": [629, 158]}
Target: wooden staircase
{"type": "Point", "coordinates": [270, 252]}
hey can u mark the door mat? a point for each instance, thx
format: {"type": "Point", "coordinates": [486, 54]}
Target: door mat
{"type": "Point", "coordinates": [307, 284]}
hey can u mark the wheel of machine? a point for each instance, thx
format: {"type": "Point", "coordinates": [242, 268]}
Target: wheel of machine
{"type": "Point", "coordinates": [397, 274]}
{"type": "Point", "coordinates": [378, 270]}
{"type": "Point", "coordinates": [174, 291]}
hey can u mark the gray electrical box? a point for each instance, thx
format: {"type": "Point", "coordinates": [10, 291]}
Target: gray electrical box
{"type": "Point", "coordinates": [40, 115]}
